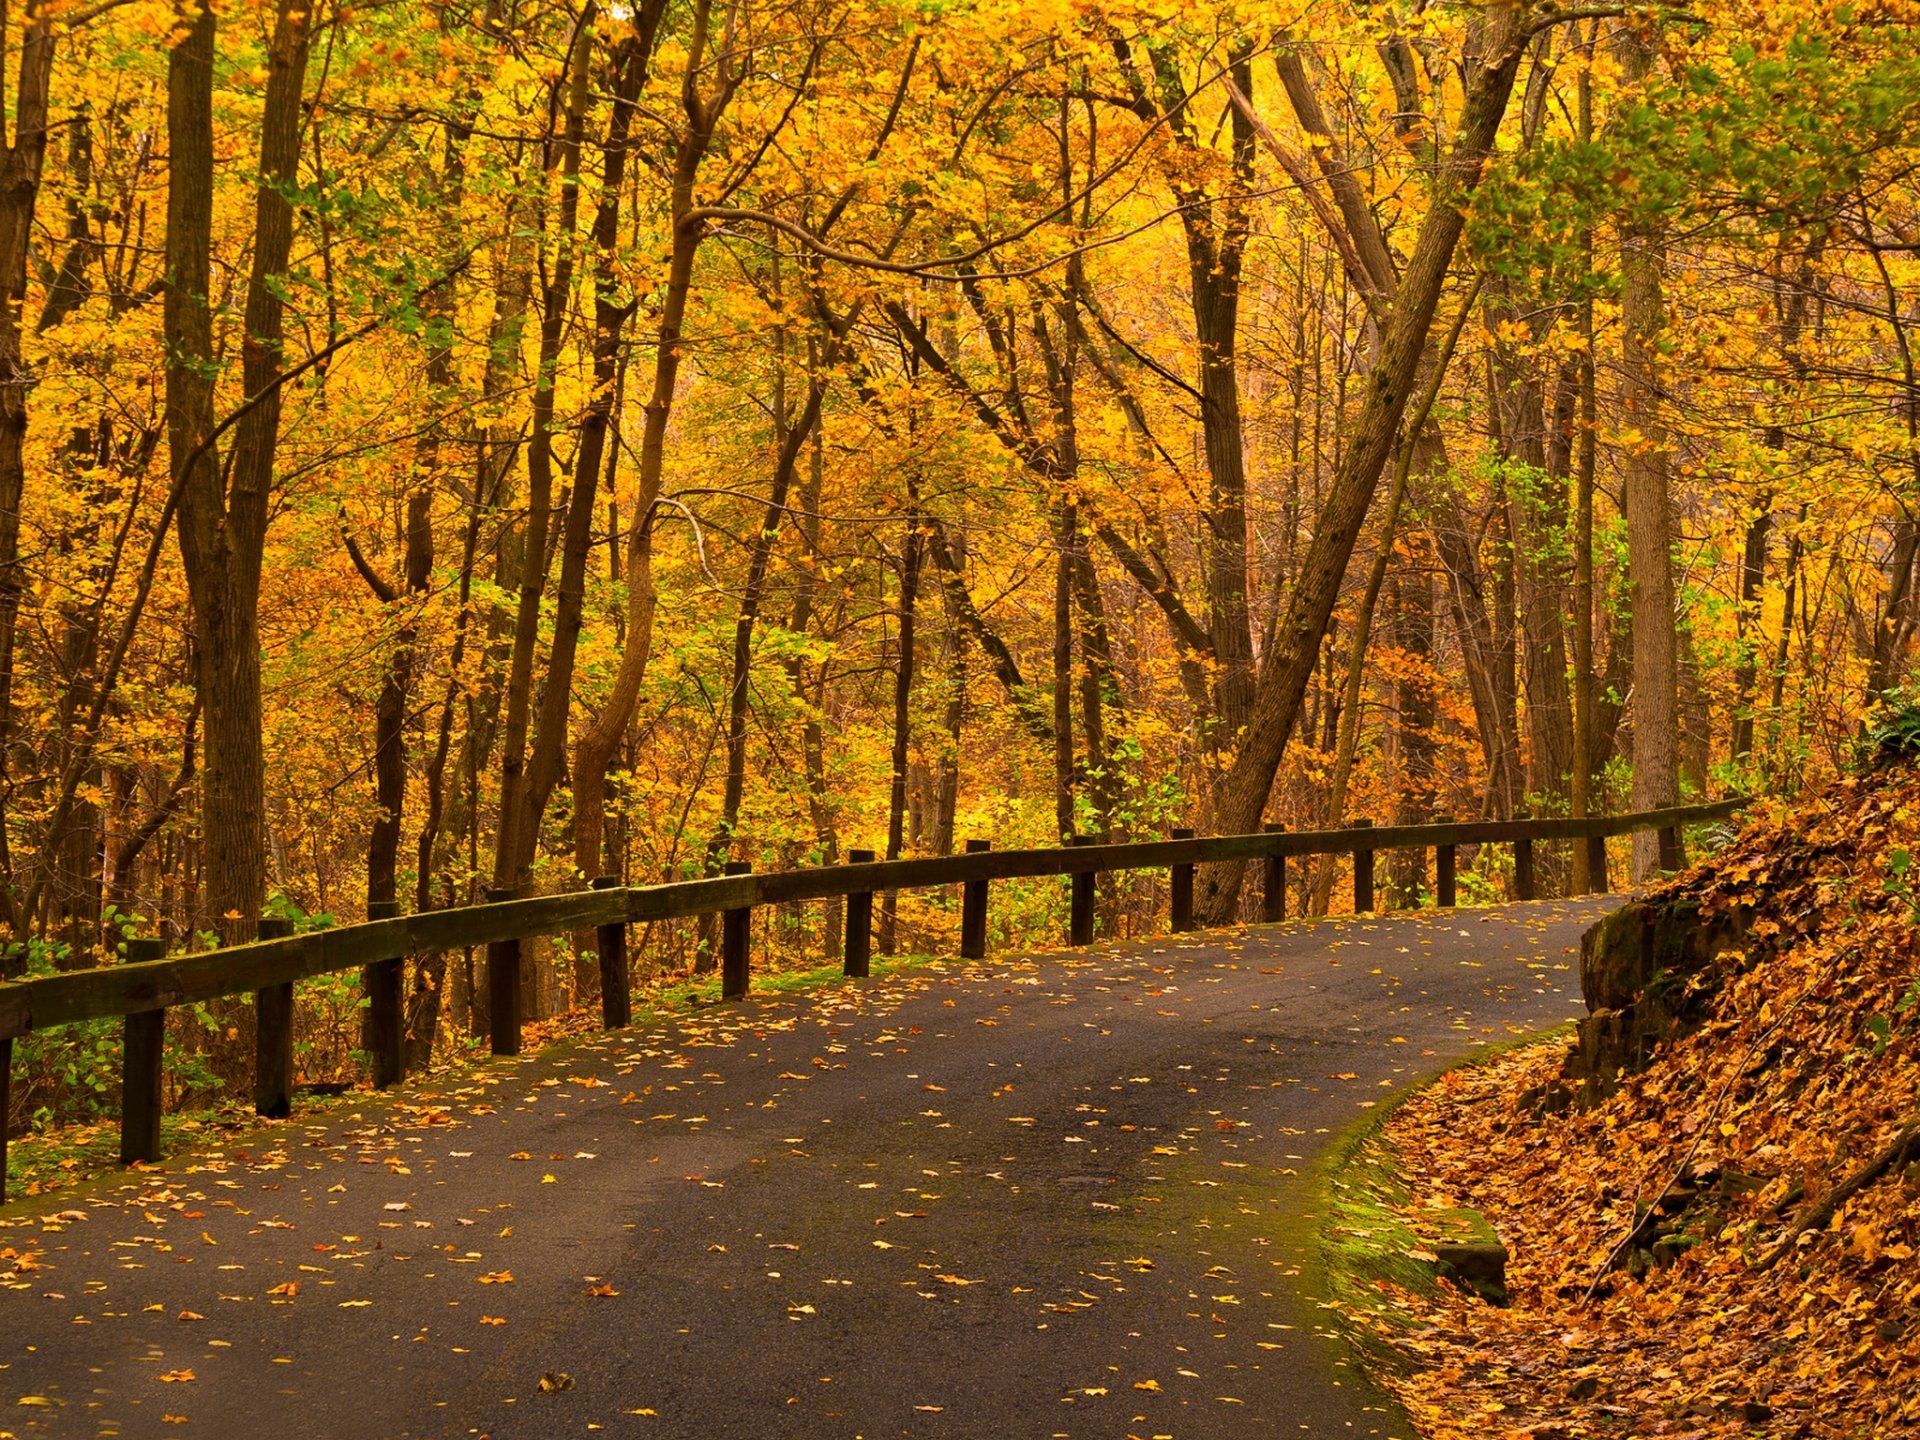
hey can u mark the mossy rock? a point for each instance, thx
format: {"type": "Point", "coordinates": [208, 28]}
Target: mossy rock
{"type": "Point", "coordinates": [1647, 973]}
{"type": "Point", "coordinates": [1468, 1251]}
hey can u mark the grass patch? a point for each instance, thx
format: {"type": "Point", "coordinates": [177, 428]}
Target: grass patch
{"type": "Point", "coordinates": [1368, 1244]}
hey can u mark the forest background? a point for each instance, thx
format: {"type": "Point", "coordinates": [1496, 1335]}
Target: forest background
{"type": "Point", "coordinates": [451, 448]}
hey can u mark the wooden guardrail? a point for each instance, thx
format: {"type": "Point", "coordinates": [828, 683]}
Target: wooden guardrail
{"type": "Point", "coordinates": [141, 990]}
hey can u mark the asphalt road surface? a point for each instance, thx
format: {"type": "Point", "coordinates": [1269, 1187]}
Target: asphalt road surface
{"type": "Point", "coordinates": [1064, 1195]}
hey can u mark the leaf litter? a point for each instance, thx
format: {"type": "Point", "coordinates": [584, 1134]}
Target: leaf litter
{"type": "Point", "coordinates": [1780, 1294]}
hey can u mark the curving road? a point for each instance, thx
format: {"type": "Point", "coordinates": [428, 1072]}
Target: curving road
{"type": "Point", "coordinates": [1048, 1196]}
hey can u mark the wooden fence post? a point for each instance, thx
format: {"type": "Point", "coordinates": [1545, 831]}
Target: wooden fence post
{"type": "Point", "coordinates": [503, 985]}
{"type": "Point", "coordinates": [973, 910]}
{"type": "Point", "coordinates": [144, 1035]}
{"type": "Point", "coordinates": [610, 940]}
{"type": "Point", "coordinates": [1080, 908]}
{"type": "Point", "coordinates": [1181, 884]}
{"type": "Point", "coordinates": [273, 1035]}
{"type": "Point", "coordinates": [1523, 868]}
{"type": "Point", "coordinates": [1445, 860]}
{"type": "Point", "coordinates": [735, 933]}
{"type": "Point", "coordinates": [857, 930]}
{"type": "Point", "coordinates": [6, 1100]}
{"type": "Point", "coordinates": [1671, 857]}
{"type": "Point", "coordinates": [386, 1015]}
{"type": "Point", "coordinates": [15, 1013]}
{"type": "Point", "coordinates": [1273, 884]}
{"type": "Point", "coordinates": [1362, 871]}
{"type": "Point", "coordinates": [1597, 865]}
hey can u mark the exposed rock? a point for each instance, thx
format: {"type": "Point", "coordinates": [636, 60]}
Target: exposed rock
{"type": "Point", "coordinates": [1471, 1254]}
{"type": "Point", "coordinates": [1647, 974]}
{"type": "Point", "coordinates": [1476, 1265]}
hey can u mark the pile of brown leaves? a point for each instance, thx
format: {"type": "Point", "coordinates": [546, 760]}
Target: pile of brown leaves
{"type": "Point", "coordinates": [1806, 1070]}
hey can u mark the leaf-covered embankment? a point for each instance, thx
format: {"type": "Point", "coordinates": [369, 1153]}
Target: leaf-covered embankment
{"type": "Point", "coordinates": [1722, 1243]}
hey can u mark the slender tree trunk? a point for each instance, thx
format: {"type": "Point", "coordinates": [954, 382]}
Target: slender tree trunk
{"type": "Point", "coordinates": [1656, 687]}
{"type": "Point", "coordinates": [1099, 690]}
{"type": "Point", "coordinates": [792, 439]}
{"type": "Point", "coordinates": [519, 820]}
{"type": "Point", "coordinates": [902, 712]}
{"type": "Point", "coordinates": [1415, 790]}
{"type": "Point", "coordinates": [1585, 755]}
{"type": "Point", "coordinates": [1063, 821]}
{"type": "Point", "coordinates": [814, 699]}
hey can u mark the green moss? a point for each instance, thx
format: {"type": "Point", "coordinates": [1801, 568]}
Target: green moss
{"type": "Point", "coordinates": [1365, 1240]}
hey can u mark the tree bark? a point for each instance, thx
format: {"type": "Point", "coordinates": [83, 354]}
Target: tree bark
{"type": "Point", "coordinates": [519, 821]}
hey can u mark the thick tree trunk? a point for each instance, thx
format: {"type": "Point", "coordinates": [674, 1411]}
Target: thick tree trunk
{"type": "Point", "coordinates": [599, 742]}
{"type": "Point", "coordinates": [1241, 796]}
{"type": "Point", "coordinates": [21, 163]}
{"type": "Point", "coordinates": [222, 527]}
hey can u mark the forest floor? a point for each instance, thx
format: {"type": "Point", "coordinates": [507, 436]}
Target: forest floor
{"type": "Point", "coordinates": [1726, 1245]}
{"type": "Point", "coordinates": [1069, 1195]}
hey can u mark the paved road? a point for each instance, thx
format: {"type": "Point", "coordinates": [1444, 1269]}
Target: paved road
{"type": "Point", "coordinates": [1051, 1196]}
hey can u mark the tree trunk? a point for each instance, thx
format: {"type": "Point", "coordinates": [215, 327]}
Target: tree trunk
{"type": "Point", "coordinates": [1063, 822]}
{"type": "Point", "coordinates": [222, 527]}
{"type": "Point", "coordinates": [599, 742]}
{"type": "Point", "coordinates": [1656, 688]}
{"type": "Point", "coordinates": [1241, 796]}
{"type": "Point", "coordinates": [20, 169]}
{"type": "Point", "coordinates": [902, 713]}
{"type": "Point", "coordinates": [814, 701]}
{"type": "Point", "coordinates": [519, 820]}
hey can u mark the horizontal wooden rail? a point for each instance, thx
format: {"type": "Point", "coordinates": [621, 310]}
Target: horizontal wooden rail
{"type": "Point", "coordinates": [116, 990]}
{"type": "Point", "coordinates": [269, 965]}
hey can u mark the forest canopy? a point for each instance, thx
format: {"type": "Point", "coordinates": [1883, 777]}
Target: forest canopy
{"type": "Point", "coordinates": [451, 448]}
